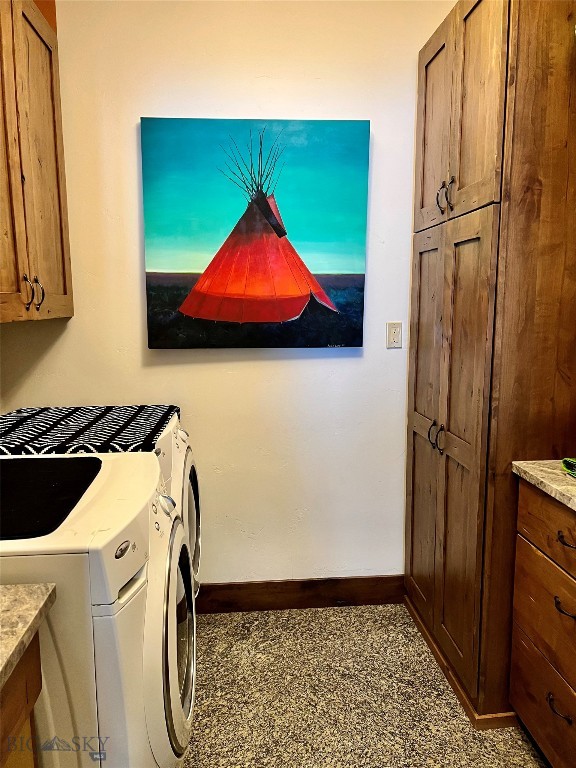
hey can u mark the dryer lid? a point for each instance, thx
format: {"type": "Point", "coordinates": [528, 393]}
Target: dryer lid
{"type": "Point", "coordinates": [37, 495]}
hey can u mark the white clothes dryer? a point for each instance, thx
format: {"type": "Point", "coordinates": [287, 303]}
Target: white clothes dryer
{"type": "Point", "coordinates": [118, 646]}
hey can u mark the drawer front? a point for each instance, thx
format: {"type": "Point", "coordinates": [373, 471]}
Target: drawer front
{"type": "Point", "coordinates": [19, 694]}
{"type": "Point", "coordinates": [545, 703]}
{"type": "Point", "coordinates": [548, 524]}
{"type": "Point", "coordinates": [541, 592]}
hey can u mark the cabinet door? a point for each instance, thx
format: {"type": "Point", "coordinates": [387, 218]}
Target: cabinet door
{"type": "Point", "coordinates": [478, 96]}
{"type": "Point", "coordinates": [40, 126]}
{"type": "Point", "coordinates": [423, 394]}
{"type": "Point", "coordinates": [469, 250]}
{"type": "Point", "coordinates": [15, 293]}
{"type": "Point", "coordinates": [433, 127]}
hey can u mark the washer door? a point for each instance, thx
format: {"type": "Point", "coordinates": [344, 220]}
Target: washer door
{"type": "Point", "coordinates": [191, 508]}
{"type": "Point", "coordinates": [170, 638]}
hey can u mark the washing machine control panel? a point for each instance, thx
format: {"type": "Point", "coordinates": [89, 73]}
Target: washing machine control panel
{"type": "Point", "coordinates": [163, 512]}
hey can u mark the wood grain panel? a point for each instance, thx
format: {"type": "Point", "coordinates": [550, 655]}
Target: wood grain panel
{"type": "Point", "coordinates": [299, 593]}
{"type": "Point", "coordinates": [9, 271]}
{"type": "Point", "coordinates": [541, 589]}
{"type": "Point", "coordinates": [420, 568]}
{"type": "Point", "coordinates": [546, 523]}
{"type": "Point", "coordinates": [433, 125]}
{"type": "Point", "coordinates": [456, 610]}
{"type": "Point", "coordinates": [477, 122]}
{"type": "Point", "coordinates": [18, 695]}
{"type": "Point", "coordinates": [428, 331]}
{"type": "Point", "coordinates": [13, 252]}
{"type": "Point", "coordinates": [41, 191]}
{"type": "Point", "coordinates": [532, 681]}
{"type": "Point", "coordinates": [534, 380]}
{"type": "Point", "coordinates": [469, 309]}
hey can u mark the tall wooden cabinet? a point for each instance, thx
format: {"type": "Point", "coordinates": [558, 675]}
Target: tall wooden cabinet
{"type": "Point", "coordinates": [35, 279]}
{"type": "Point", "coordinates": [493, 319]}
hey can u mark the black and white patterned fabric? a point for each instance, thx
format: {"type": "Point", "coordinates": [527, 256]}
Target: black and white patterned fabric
{"type": "Point", "coordinates": [85, 429]}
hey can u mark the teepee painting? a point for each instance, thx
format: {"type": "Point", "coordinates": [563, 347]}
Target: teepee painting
{"type": "Point", "coordinates": [267, 281]}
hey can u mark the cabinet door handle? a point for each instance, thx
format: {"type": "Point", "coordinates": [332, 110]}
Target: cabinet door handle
{"type": "Point", "coordinates": [558, 604]}
{"type": "Point", "coordinates": [561, 537]}
{"type": "Point", "coordinates": [430, 428]}
{"type": "Point", "coordinates": [38, 304]}
{"type": "Point", "coordinates": [447, 193]}
{"type": "Point", "coordinates": [440, 450]}
{"type": "Point", "coordinates": [442, 186]}
{"type": "Point", "coordinates": [550, 700]}
{"type": "Point", "coordinates": [28, 304]}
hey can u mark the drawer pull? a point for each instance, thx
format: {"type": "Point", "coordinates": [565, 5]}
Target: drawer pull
{"type": "Point", "coordinates": [561, 610]}
{"type": "Point", "coordinates": [550, 700]}
{"type": "Point", "coordinates": [562, 540]}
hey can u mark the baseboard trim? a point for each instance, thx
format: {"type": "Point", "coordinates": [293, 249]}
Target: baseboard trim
{"type": "Point", "coordinates": [299, 593]}
{"type": "Point", "coordinates": [480, 722]}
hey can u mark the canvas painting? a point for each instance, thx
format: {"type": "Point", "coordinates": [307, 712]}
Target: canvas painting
{"type": "Point", "coordinates": [255, 232]}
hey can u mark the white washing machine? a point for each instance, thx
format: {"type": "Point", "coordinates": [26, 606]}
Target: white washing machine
{"type": "Point", "coordinates": [118, 646]}
{"type": "Point", "coordinates": [116, 429]}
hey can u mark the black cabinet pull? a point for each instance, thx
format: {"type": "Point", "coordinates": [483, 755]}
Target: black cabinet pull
{"type": "Point", "coordinates": [442, 186]}
{"type": "Point", "coordinates": [28, 304]}
{"type": "Point", "coordinates": [561, 537]}
{"type": "Point", "coordinates": [38, 304]}
{"type": "Point", "coordinates": [558, 604]}
{"type": "Point", "coordinates": [430, 428]}
{"type": "Point", "coordinates": [447, 193]}
{"type": "Point", "coordinates": [440, 450]}
{"type": "Point", "coordinates": [550, 700]}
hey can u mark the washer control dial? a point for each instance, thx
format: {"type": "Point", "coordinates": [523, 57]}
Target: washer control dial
{"type": "Point", "coordinates": [166, 504]}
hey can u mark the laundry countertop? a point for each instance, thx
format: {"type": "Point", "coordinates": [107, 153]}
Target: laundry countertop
{"type": "Point", "coordinates": [549, 477]}
{"type": "Point", "coordinates": [22, 610]}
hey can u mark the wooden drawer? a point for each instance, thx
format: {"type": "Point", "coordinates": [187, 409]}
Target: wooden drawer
{"type": "Point", "coordinates": [548, 524]}
{"type": "Point", "coordinates": [541, 592]}
{"type": "Point", "coordinates": [540, 697]}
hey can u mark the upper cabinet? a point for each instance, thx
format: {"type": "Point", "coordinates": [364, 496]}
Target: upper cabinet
{"type": "Point", "coordinates": [460, 120]}
{"type": "Point", "coordinates": [35, 279]}
{"type": "Point", "coordinates": [433, 127]}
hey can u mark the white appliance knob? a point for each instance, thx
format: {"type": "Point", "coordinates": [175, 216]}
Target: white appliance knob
{"type": "Point", "coordinates": [167, 504]}
{"type": "Point", "coordinates": [183, 435]}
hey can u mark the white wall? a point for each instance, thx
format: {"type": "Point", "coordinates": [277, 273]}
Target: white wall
{"type": "Point", "coordinates": [301, 452]}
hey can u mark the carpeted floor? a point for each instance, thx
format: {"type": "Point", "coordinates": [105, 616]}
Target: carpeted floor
{"type": "Point", "coordinates": [332, 688]}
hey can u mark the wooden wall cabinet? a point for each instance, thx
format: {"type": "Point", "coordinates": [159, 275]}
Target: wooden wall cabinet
{"type": "Point", "coordinates": [35, 278]}
{"type": "Point", "coordinates": [493, 324]}
{"type": "Point", "coordinates": [461, 87]}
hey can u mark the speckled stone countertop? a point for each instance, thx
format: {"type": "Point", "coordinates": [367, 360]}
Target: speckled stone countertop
{"type": "Point", "coordinates": [550, 478]}
{"type": "Point", "coordinates": [22, 610]}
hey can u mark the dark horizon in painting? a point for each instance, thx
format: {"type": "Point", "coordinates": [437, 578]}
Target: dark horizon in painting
{"type": "Point", "coordinates": [316, 327]}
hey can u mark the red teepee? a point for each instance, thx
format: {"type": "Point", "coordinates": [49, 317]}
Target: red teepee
{"type": "Point", "coordinates": [256, 276]}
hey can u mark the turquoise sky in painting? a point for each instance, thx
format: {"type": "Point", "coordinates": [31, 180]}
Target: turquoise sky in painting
{"type": "Point", "coordinates": [190, 208]}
